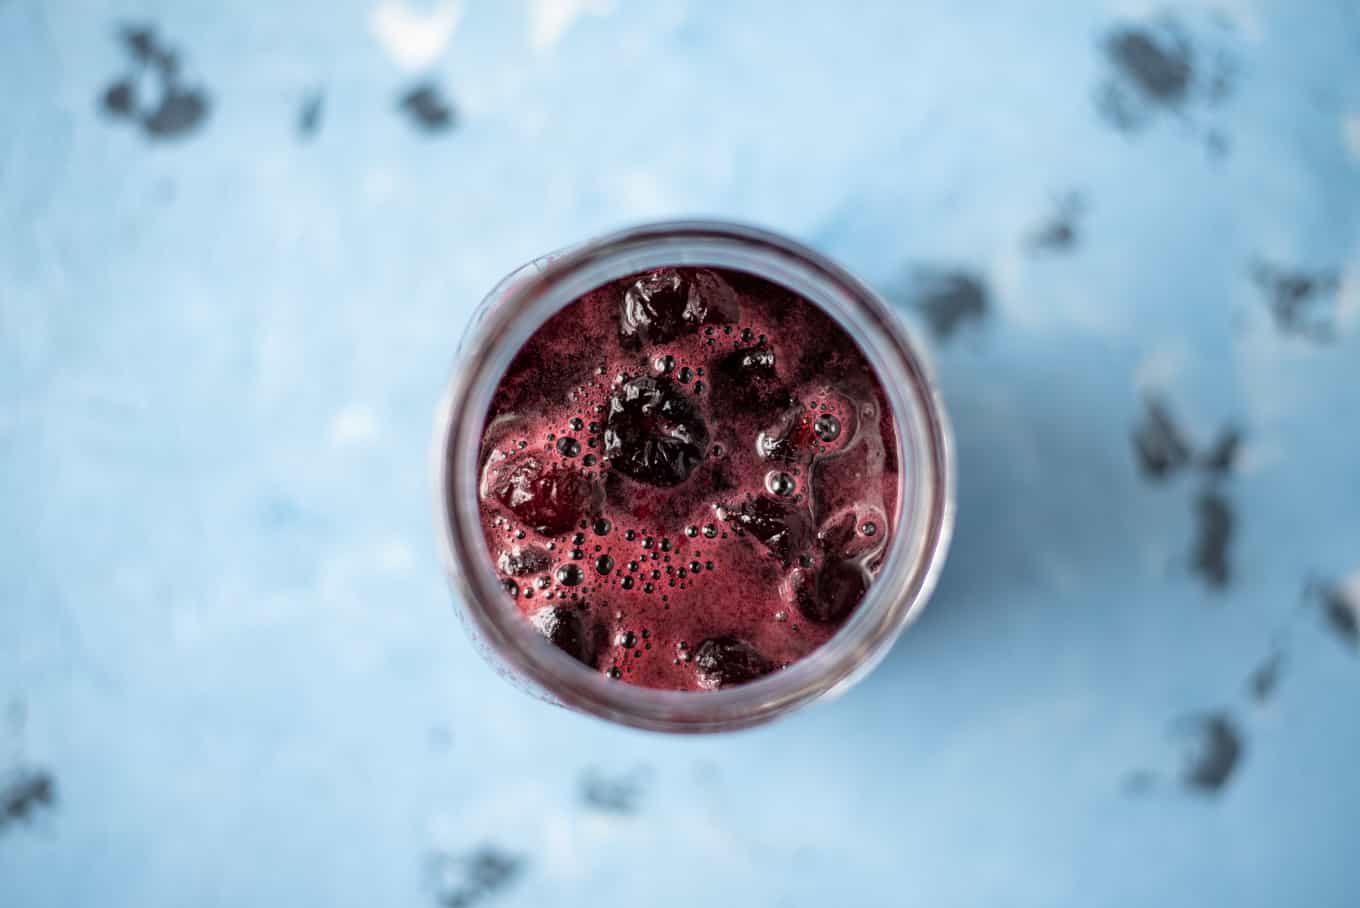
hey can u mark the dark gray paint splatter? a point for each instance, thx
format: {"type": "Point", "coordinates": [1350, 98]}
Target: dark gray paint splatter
{"type": "Point", "coordinates": [1343, 616]}
{"type": "Point", "coordinates": [612, 794]}
{"type": "Point", "coordinates": [120, 98]}
{"type": "Point", "coordinates": [1161, 449]}
{"type": "Point", "coordinates": [1265, 678]}
{"type": "Point", "coordinates": [178, 110]}
{"type": "Point", "coordinates": [1152, 69]}
{"type": "Point", "coordinates": [1291, 295]}
{"type": "Point", "coordinates": [465, 879]}
{"type": "Point", "coordinates": [143, 47]}
{"type": "Point", "coordinates": [1157, 68]}
{"type": "Point", "coordinates": [427, 108]}
{"type": "Point", "coordinates": [309, 117]}
{"type": "Point", "coordinates": [1215, 751]}
{"type": "Point", "coordinates": [947, 298]}
{"type": "Point", "coordinates": [1215, 522]}
{"type": "Point", "coordinates": [1059, 232]}
{"type": "Point", "coordinates": [1159, 443]}
{"type": "Point", "coordinates": [140, 42]}
{"type": "Point", "coordinates": [1222, 457]}
{"type": "Point", "coordinates": [24, 794]}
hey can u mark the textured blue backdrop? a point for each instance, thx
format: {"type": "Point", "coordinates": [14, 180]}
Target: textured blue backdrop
{"type": "Point", "coordinates": [238, 242]}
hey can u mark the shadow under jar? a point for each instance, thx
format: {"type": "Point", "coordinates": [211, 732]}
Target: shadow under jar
{"type": "Point", "coordinates": [689, 477]}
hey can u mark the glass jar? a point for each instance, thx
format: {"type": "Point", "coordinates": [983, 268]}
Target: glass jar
{"type": "Point", "coordinates": [522, 302]}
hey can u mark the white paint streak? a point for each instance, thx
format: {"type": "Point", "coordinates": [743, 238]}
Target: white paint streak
{"type": "Point", "coordinates": [354, 425]}
{"type": "Point", "coordinates": [1350, 593]}
{"type": "Point", "coordinates": [1257, 456]}
{"type": "Point", "coordinates": [1348, 301]}
{"type": "Point", "coordinates": [1260, 359]}
{"type": "Point", "coordinates": [1161, 368]}
{"type": "Point", "coordinates": [1007, 274]}
{"type": "Point", "coordinates": [561, 858]}
{"type": "Point", "coordinates": [413, 39]}
{"type": "Point", "coordinates": [1350, 134]}
{"type": "Point", "coordinates": [442, 831]}
{"type": "Point", "coordinates": [1025, 302]}
{"type": "Point", "coordinates": [550, 19]}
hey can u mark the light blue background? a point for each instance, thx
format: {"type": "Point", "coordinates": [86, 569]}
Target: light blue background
{"type": "Point", "coordinates": [220, 603]}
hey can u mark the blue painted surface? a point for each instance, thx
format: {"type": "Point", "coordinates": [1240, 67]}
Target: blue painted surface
{"type": "Point", "coordinates": [223, 628]}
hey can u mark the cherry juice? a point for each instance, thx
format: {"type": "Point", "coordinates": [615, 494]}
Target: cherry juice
{"type": "Point", "coordinates": [688, 478]}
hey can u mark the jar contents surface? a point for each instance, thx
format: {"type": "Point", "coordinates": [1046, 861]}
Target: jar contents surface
{"type": "Point", "coordinates": [688, 478]}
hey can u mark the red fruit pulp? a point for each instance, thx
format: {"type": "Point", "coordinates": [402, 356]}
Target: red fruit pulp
{"type": "Point", "coordinates": [689, 478]}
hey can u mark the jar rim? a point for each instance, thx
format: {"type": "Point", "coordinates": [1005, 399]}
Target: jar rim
{"type": "Point", "coordinates": [523, 302]}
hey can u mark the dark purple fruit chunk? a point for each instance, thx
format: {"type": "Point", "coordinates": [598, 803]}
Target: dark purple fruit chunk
{"type": "Point", "coordinates": [653, 433]}
{"type": "Point", "coordinates": [726, 661]}
{"type": "Point", "coordinates": [562, 627]}
{"type": "Point", "coordinates": [837, 535]}
{"type": "Point", "coordinates": [522, 560]}
{"type": "Point", "coordinates": [667, 303]}
{"type": "Point", "coordinates": [776, 524]}
{"type": "Point", "coordinates": [753, 362]}
{"type": "Point", "coordinates": [716, 296]}
{"type": "Point", "coordinates": [747, 378]}
{"type": "Point", "coordinates": [654, 308]}
{"type": "Point", "coordinates": [551, 499]}
{"type": "Point", "coordinates": [839, 587]}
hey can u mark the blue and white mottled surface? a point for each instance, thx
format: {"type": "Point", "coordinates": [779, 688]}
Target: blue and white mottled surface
{"type": "Point", "coordinates": [232, 670]}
